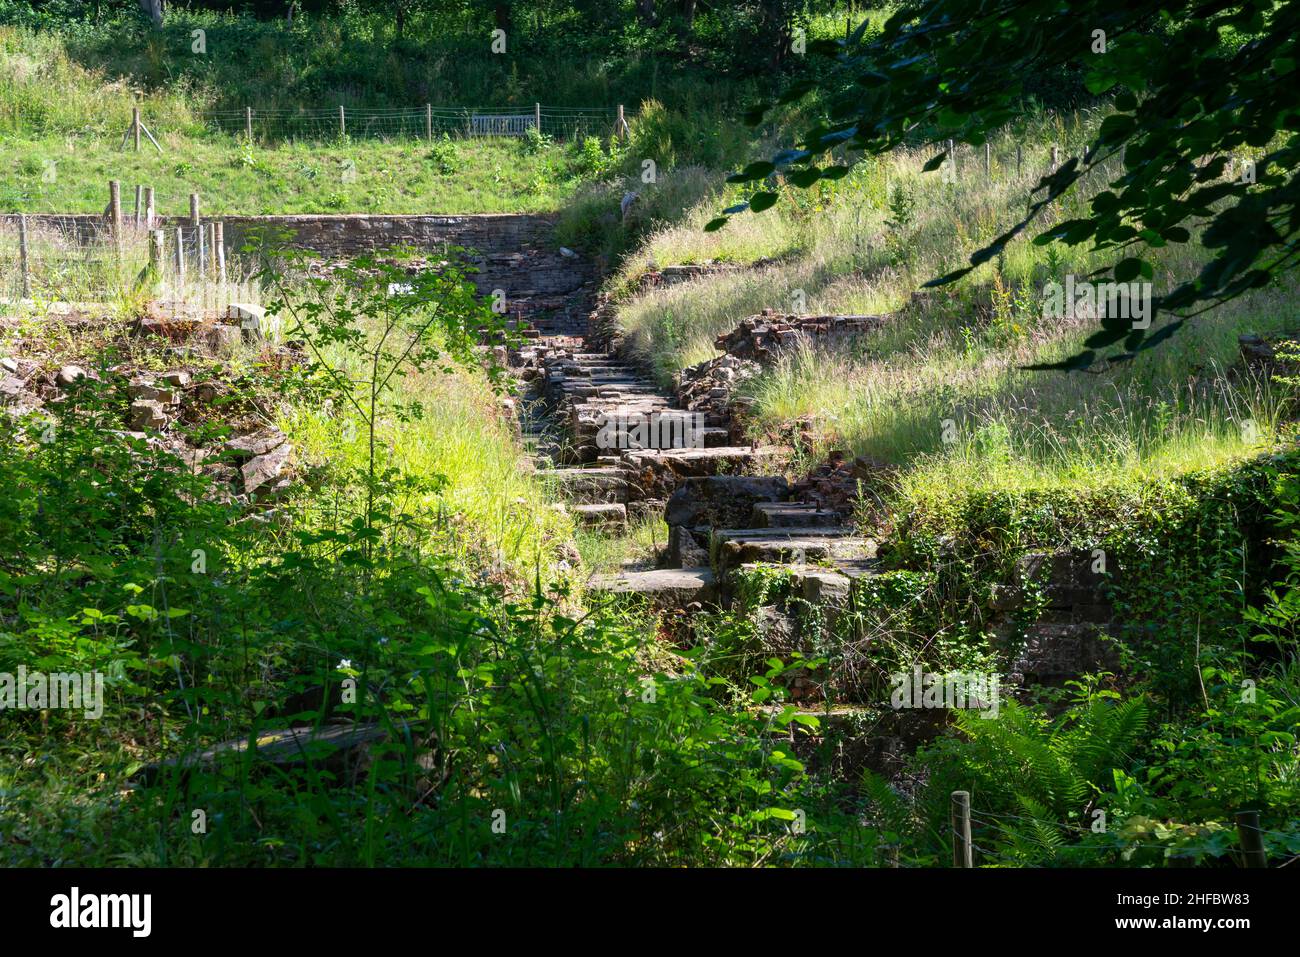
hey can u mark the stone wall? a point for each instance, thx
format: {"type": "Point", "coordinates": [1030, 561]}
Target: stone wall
{"type": "Point", "coordinates": [762, 337]}
{"type": "Point", "coordinates": [1068, 633]}
{"type": "Point", "coordinates": [515, 253]}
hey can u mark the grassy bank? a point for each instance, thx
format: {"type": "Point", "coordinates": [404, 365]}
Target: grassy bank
{"type": "Point", "coordinates": [941, 391]}
{"type": "Point", "coordinates": [63, 113]}
{"type": "Point", "coordinates": [70, 174]}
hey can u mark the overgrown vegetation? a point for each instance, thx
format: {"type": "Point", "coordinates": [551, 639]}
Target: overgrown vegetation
{"type": "Point", "coordinates": [415, 587]}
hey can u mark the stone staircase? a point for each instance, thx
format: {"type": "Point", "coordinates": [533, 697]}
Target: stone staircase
{"type": "Point", "coordinates": [729, 509]}
{"type": "Point", "coordinates": [612, 443]}
{"type": "Point", "coordinates": [727, 506]}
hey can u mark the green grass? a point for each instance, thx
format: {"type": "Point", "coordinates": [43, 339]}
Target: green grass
{"type": "Point", "coordinates": [412, 176]}
{"type": "Point", "coordinates": [63, 124]}
{"type": "Point", "coordinates": [66, 99]}
{"type": "Point", "coordinates": [491, 513]}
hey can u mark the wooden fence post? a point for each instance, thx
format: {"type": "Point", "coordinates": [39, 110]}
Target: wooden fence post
{"type": "Point", "coordinates": [1252, 839]}
{"type": "Point", "coordinates": [180, 255]}
{"type": "Point", "coordinates": [139, 203]}
{"type": "Point", "coordinates": [622, 123]}
{"type": "Point", "coordinates": [988, 159]}
{"type": "Point", "coordinates": [115, 212]}
{"type": "Point", "coordinates": [211, 232]}
{"type": "Point", "coordinates": [194, 209]}
{"type": "Point", "coordinates": [135, 126]}
{"type": "Point", "coordinates": [962, 854]}
{"type": "Point", "coordinates": [428, 122]}
{"type": "Point", "coordinates": [201, 258]}
{"type": "Point", "coordinates": [219, 247]}
{"type": "Point", "coordinates": [537, 116]}
{"type": "Point", "coordinates": [157, 260]}
{"type": "Point", "coordinates": [23, 254]}
{"type": "Point", "coordinates": [343, 123]}
{"type": "Point", "coordinates": [148, 207]}
{"type": "Point", "coordinates": [248, 123]}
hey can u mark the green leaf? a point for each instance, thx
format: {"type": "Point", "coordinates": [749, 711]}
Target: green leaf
{"type": "Point", "coordinates": [1128, 269]}
{"type": "Point", "coordinates": [934, 163]}
{"type": "Point", "coordinates": [753, 171]}
{"type": "Point", "coordinates": [1099, 81]}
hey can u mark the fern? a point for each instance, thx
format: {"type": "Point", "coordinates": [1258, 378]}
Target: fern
{"type": "Point", "coordinates": [890, 809]}
{"type": "Point", "coordinates": [1053, 771]}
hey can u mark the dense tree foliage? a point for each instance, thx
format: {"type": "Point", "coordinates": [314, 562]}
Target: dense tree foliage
{"type": "Point", "coordinates": [678, 28]}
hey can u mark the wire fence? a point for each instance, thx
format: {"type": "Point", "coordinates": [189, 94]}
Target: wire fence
{"type": "Point", "coordinates": [70, 259]}
{"type": "Point", "coordinates": [85, 260]}
{"type": "Point", "coordinates": [424, 122]}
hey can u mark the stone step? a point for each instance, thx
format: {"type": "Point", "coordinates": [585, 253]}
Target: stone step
{"type": "Point", "coordinates": [583, 389]}
{"type": "Point", "coordinates": [663, 587]}
{"type": "Point", "coordinates": [625, 404]}
{"type": "Point", "coordinates": [589, 485]}
{"type": "Point", "coordinates": [794, 546]}
{"type": "Point", "coordinates": [609, 380]}
{"type": "Point", "coordinates": [282, 746]}
{"type": "Point", "coordinates": [791, 515]}
{"type": "Point", "coordinates": [722, 501]}
{"type": "Point", "coordinates": [820, 584]}
{"type": "Point", "coordinates": [720, 460]}
{"type": "Point", "coordinates": [656, 473]}
{"type": "Point", "coordinates": [606, 515]}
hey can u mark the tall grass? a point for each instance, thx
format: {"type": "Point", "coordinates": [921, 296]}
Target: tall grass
{"type": "Point", "coordinates": [956, 355]}
{"type": "Point", "coordinates": [489, 512]}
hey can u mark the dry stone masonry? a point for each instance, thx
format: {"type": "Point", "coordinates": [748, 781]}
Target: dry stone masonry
{"type": "Point", "coordinates": [761, 338]}
{"type": "Point", "coordinates": [253, 469]}
{"type": "Point", "coordinates": [1067, 635]}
